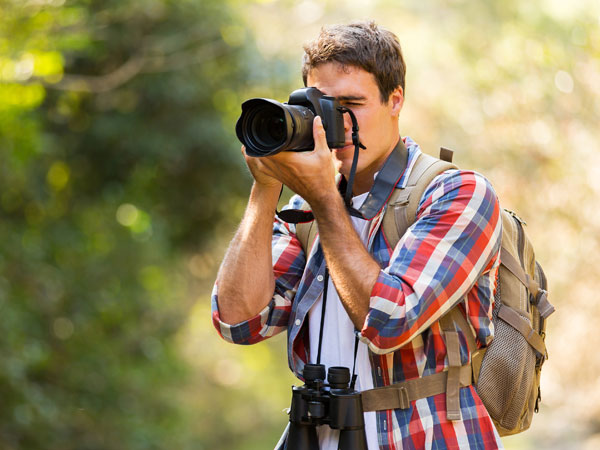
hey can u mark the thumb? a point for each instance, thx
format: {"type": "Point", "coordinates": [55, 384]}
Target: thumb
{"type": "Point", "coordinates": [319, 134]}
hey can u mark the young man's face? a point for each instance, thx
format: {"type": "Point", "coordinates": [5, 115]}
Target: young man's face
{"type": "Point", "coordinates": [357, 89]}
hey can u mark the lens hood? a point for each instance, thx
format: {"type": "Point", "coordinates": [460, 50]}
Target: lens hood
{"type": "Point", "coordinates": [267, 127]}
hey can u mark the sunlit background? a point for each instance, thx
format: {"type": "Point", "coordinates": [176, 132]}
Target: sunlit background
{"type": "Point", "coordinates": [121, 183]}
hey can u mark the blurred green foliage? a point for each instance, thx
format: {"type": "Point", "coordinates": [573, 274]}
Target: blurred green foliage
{"type": "Point", "coordinates": [115, 160]}
{"type": "Point", "coordinates": [121, 182]}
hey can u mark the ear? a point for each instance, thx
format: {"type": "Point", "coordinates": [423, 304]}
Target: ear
{"type": "Point", "coordinates": [396, 101]}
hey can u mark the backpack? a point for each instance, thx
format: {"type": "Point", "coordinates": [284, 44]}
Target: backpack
{"type": "Point", "coordinates": [506, 373]}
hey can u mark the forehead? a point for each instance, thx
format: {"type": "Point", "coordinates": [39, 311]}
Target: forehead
{"type": "Point", "coordinates": [338, 80]}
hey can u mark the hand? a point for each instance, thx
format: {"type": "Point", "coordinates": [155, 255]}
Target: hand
{"type": "Point", "coordinates": [262, 175]}
{"type": "Point", "coordinates": [309, 174]}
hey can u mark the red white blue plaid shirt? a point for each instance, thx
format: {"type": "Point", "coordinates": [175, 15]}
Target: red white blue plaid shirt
{"type": "Point", "coordinates": [449, 255]}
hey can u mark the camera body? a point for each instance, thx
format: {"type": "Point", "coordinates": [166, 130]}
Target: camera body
{"type": "Point", "coordinates": [334, 404]}
{"type": "Point", "coordinates": [267, 127]}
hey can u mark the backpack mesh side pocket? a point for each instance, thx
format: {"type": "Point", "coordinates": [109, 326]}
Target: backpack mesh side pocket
{"type": "Point", "coordinates": [506, 377]}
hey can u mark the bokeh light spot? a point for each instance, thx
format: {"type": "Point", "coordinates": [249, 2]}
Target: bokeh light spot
{"type": "Point", "coordinates": [127, 214]}
{"type": "Point", "coordinates": [63, 328]}
{"type": "Point", "coordinates": [58, 175]}
{"type": "Point", "coordinates": [564, 82]}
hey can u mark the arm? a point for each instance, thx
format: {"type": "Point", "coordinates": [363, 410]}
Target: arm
{"type": "Point", "coordinates": [312, 175]}
{"type": "Point", "coordinates": [260, 272]}
{"type": "Point", "coordinates": [352, 269]}
{"type": "Point", "coordinates": [246, 282]}
{"type": "Point", "coordinates": [454, 241]}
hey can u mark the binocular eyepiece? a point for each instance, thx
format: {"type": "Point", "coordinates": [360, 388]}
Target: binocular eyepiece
{"type": "Point", "coordinates": [333, 403]}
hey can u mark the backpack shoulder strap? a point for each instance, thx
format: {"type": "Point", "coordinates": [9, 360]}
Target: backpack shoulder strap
{"type": "Point", "coordinates": [403, 203]}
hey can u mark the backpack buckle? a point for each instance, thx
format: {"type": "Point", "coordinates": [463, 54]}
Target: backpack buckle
{"type": "Point", "coordinates": [543, 305]}
{"type": "Point", "coordinates": [403, 399]}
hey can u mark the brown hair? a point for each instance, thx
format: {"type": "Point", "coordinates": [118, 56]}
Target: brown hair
{"type": "Point", "coordinates": [360, 44]}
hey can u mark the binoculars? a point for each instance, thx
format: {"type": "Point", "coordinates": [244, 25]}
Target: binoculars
{"type": "Point", "coordinates": [333, 403]}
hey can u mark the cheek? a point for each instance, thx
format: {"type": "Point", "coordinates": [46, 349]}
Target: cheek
{"type": "Point", "coordinates": [367, 124]}
{"type": "Point", "coordinates": [369, 118]}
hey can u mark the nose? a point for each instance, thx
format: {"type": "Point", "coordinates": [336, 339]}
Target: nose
{"type": "Point", "coordinates": [347, 122]}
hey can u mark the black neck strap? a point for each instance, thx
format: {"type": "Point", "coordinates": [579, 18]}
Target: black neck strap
{"type": "Point", "coordinates": [323, 305]}
{"type": "Point", "coordinates": [383, 187]}
{"type": "Point", "coordinates": [322, 327]}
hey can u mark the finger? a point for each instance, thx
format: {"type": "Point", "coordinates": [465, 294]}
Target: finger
{"type": "Point", "coordinates": [319, 134]}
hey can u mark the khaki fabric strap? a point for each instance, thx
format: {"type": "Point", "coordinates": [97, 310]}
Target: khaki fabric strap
{"type": "Point", "coordinates": [456, 316]}
{"type": "Point", "coordinates": [402, 205]}
{"type": "Point", "coordinates": [511, 263]}
{"type": "Point", "coordinates": [398, 199]}
{"type": "Point", "coordinates": [515, 320]}
{"type": "Point", "coordinates": [306, 232]}
{"type": "Point", "coordinates": [448, 324]}
{"type": "Point", "coordinates": [425, 170]}
{"type": "Point", "coordinates": [400, 395]}
{"type": "Point", "coordinates": [463, 324]}
{"type": "Point", "coordinates": [476, 361]}
{"type": "Point", "coordinates": [453, 381]}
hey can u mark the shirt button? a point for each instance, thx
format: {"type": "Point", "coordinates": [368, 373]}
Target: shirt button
{"type": "Point", "coordinates": [319, 277]}
{"type": "Point", "coordinates": [297, 322]}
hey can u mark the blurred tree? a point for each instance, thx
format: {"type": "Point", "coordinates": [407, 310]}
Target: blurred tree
{"type": "Point", "coordinates": [115, 160]}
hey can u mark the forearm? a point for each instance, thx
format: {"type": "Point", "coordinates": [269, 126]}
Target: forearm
{"type": "Point", "coordinates": [353, 271]}
{"type": "Point", "coordinates": [245, 281]}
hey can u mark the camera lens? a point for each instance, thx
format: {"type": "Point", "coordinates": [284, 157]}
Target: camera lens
{"type": "Point", "coordinates": [268, 126]}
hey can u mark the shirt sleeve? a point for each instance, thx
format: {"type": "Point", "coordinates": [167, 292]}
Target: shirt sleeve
{"type": "Point", "coordinates": [288, 267]}
{"type": "Point", "coordinates": [453, 242]}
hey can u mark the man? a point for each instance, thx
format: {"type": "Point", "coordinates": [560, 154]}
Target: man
{"type": "Point", "coordinates": [391, 298]}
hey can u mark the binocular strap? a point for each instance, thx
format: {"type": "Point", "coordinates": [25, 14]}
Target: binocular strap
{"type": "Point", "coordinates": [322, 326]}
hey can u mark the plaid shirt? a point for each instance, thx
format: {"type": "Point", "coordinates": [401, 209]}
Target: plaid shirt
{"type": "Point", "coordinates": [450, 255]}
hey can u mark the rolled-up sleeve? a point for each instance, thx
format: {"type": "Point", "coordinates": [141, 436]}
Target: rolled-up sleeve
{"type": "Point", "coordinates": [288, 266]}
{"type": "Point", "coordinates": [453, 242]}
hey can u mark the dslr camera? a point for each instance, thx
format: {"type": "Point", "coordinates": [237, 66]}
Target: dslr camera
{"type": "Point", "coordinates": [267, 127]}
{"type": "Point", "coordinates": [334, 404]}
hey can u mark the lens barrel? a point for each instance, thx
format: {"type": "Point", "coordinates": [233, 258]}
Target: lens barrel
{"type": "Point", "coordinates": [267, 127]}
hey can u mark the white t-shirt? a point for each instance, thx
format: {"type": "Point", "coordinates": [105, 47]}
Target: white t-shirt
{"type": "Point", "coordinates": [338, 345]}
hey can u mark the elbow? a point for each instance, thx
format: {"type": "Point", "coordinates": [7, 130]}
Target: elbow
{"type": "Point", "coordinates": [376, 347]}
{"type": "Point", "coordinates": [385, 329]}
{"type": "Point", "coordinates": [380, 344]}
